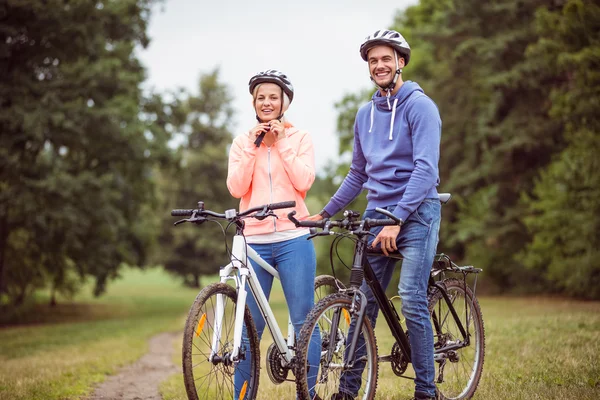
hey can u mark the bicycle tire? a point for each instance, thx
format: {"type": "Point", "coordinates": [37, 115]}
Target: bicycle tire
{"type": "Point", "coordinates": [204, 379]}
{"type": "Point", "coordinates": [461, 371]}
{"type": "Point", "coordinates": [276, 370]}
{"type": "Point", "coordinates": [326, 285]}
{"type": "Point", "coordinates": [328, 381]}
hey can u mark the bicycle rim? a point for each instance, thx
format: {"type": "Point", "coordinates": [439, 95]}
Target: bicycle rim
{"type": "Point", "coordinates": [209, 377]}
{"type": "Point", "coordinates": [457, 372]}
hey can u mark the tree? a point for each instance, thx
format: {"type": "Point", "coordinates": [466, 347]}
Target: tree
{"type": "Point", "coordinates": [189, 251]}
{"type": "Point", "coordinates": [517, 88]}
{"type": "Point", "coordinates": [564, 211]}
{"type": "Point", "coordinates": [76, 156]}
{"type": "Point", "coordinates": [497, 135]}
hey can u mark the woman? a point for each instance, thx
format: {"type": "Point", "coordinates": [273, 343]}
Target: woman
{"type": "Point", "coordinates": [274, 162]}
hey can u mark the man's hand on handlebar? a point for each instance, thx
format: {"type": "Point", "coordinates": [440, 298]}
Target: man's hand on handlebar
{"type": "Point", "coordinates": [316, 217]}
{"type": "Point", "coordinates": [387, 239]}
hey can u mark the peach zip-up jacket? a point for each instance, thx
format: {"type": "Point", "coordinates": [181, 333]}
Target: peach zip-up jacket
{"type": "Point", "coordinates": [263, 175]}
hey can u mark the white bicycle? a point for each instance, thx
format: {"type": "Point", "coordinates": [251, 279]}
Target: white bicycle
{"type": "Point", "coordinates": [212, 340]}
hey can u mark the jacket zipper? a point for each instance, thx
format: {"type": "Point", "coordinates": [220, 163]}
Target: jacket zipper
{"type": "Point", "coordinates": [270, 184]}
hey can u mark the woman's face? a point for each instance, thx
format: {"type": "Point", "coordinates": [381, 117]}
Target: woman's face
{"type": "Point", "coordinates": [267, 102]}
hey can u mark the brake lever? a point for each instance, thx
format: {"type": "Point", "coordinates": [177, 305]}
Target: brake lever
{"type": "Point", "coordinates": [193, 220]}
{"type": "Point", "coordinates": [264, 214]}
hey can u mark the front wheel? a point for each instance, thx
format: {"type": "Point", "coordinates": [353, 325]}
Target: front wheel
{"type": "Point", "coordinates": [208, 374]}
{"type": "Point", "coordinates": [458, 364]}
{"type": "Point", "coordinates": [330, 320]}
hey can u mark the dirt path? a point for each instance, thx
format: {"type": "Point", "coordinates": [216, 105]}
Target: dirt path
{"type": "Point", "coordinates": [140, 380]}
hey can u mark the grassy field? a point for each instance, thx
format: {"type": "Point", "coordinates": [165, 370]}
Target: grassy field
{"type": "Point", "coordinates": [83, 341]}
{"type": "Point", "coordinates": [537, 348]}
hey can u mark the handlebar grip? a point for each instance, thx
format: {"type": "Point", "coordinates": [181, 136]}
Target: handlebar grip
{"type": "Point", "coordinates": [181, 213]}
{"type": "Point", "coordinates": [283, 204]}
{"type": "Point", "coordinates": [381, 222]}
{"type": "Point", "coordinates": [311, 224]}
{"type": "Point", "coordinates": [305, 224]}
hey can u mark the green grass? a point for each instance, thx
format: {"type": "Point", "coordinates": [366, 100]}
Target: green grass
{"type": "Point", "coordinates": [536, 348]}
{"type": "Point", "coordinates": [88, 338]}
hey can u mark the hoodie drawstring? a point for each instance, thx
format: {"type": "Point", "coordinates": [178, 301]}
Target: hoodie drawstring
{"type": "Point", "coordinates": [393, 117]}
{"type": "Point", "coordinates": [372, 110]}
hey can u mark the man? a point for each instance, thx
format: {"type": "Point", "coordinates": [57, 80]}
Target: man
{"type": "Point", "coordinates": [395, 158]}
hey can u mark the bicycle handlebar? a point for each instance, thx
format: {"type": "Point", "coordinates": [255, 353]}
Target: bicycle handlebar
{"type": "Point", "coordinates": [264, 209]}
{"type": "Point", "coordinates": [350, 222]}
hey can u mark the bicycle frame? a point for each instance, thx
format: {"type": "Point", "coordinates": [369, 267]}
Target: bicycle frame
{"type": "Point", "coordinates": [361, 268]}
{"type": "Point", "coordinates": [240, 254]}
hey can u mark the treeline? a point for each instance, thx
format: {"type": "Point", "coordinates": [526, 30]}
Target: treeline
{"type": "Point", "coordinates": [517, 83]}
{"type": "Point", "coordinates": [87, 175]}
{"type": "Point", "coordinates": [91, 164]}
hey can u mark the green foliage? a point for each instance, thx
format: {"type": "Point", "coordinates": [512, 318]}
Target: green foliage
{"type": "Point", "coordinates": [76, 153]}
{"type": "Point", "coordinates": [517, 85]}
{"type": "Point", "coordinates": [192, 251]}
{"type": "Point", "coordinates": [564, 217]}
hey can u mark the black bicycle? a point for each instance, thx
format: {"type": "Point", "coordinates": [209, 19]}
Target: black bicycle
{"type": "Point", "coordinates": [459, 337]}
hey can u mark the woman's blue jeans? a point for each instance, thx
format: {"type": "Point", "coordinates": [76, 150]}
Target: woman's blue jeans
{"type": "Point", "coordinates": [417, 242]}
{"type": "Point", "coordinates": [295, 260]}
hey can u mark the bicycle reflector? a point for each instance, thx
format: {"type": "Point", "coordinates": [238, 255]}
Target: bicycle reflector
{"type": "Point", "coordinates": [201, 324]}
{"type": "Point", "coordinates": [243, 391]}
{"type": "Point", "coordinates": [346, 316]}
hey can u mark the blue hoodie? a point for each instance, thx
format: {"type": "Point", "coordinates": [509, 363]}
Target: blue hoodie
{"type": "Point", "coordinates": [396, 153]}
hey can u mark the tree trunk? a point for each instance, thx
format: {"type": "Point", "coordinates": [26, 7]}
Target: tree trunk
{"type": "Point", "coordinates": [3, 242]}
{"type": "Point", "coordinates": [53, 297]}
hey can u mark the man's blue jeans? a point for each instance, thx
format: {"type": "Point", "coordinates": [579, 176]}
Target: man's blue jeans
{"type": "Point", "coordinates": [295, 260]}
{"type": "Point", "coordinates": [417, 242]}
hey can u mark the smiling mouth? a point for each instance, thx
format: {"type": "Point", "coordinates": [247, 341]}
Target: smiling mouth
{"type": "Point", "coordinates": [382, 74]}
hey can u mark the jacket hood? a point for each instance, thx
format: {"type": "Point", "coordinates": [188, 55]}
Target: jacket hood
{"type": "Point", "coordinates": [389, 104]}
{"type": "Point", "coordinates": [381, 101]}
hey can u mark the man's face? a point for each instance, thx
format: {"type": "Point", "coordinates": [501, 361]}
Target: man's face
{"type": "Point", "coordinates": [382, 64]}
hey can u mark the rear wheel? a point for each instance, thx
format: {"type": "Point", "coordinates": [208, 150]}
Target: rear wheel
{"type": "Point", "coordinates": [211, 376]}
{"type": "Point", "coordinates": [326, 285]}
{"type": "Point", "coordinates": [458, 369]}
{"type": "Point", "coordinates": [334, 339]}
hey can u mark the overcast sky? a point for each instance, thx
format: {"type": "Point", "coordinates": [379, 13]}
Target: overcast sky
{"type": "Point", "coordinates": [315, 43]}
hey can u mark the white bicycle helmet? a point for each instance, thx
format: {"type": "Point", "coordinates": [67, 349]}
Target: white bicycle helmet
{"type": "Point", "coordinates": [272, 76]}
{"type": "Point", "coordinates": [388, 38]}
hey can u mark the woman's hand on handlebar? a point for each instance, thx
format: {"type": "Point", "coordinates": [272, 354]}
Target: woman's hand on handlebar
{"type": "Point", "coordinates": [387, 239]}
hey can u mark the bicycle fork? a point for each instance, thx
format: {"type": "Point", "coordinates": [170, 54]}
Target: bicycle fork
{"type": "Point", "coordinates": [242, 294]}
